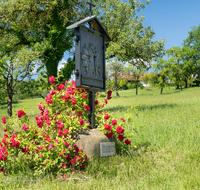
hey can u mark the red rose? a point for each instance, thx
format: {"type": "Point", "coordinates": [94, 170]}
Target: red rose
{"type": "Point", "coordinates": [87, 108]}
{"type": "Point", "coordinates": [81, 121]}
{"type": "Point", "coordinates": [20, 113]}
{"type": "Point", "coordinates": [65, 131]}
{"type": "Point", "coordinates": [48, 122]}
{"type": "Point", "coordinates": [120, 130]}
{"type": "Point", "coordinates": [73, 101]}
{"type": "Point", "coordinates": [121, 137]}
{"type": "Point", "coordinates": [6, 136]}
{"type": "Point", "coordinates": [16, 144]}
{"type": "Point", "coordinates": [123, 119]}
{"type": "Point", "coordinates": [60, 87]}
{"type": "Point", "coordinates": [106, 117]}
{"type": "Point", "coordinates": [109, 97]}
{"type": "Point", "coordinates": [41, 108]}
{"type": "Point", "coordinates": [73, 83]}
{"type": "Point", "coordinates": [114, 122]}
{"type": "Point", "coordinates": [109, 134]}
{"type": "Point", "coordinates": [127, 141]}
{"type": "Point", "coordinates": [60, 133]}
{"type": "Point", "coordinates": [48, 101]}
{"type": "Point", "coordinates": [4, 120]}
{"type": "Point", "coordinates": [84, 96]}
{"type": "Point", "coordinates": [52, 92]}
{"type": "Point", "coordinates": [109, 92]}
{"type": "Point", "coordinates": [39, 123]}
{"type": "Point", "coordinates": [107, 127]}
{"type": "Point", "coordinates": [82, 167]}
{"type": "Point", "coordinates": [24, 127]}
{"type": "Point", "coordinates": [48, 139]}
{"type": "Point", "coordinates": [73, 162]}
{"type": "Point", "coordinates": [96, 102]}
{"type": "Point", "coordinates": [52, 79]}
{"type": "Point", "coordinates": [106, 101]}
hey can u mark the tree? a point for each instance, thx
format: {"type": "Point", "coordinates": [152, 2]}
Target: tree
{"type": "Point", "coordinates": [15, 69]}
{"type": "Point", "coordinates": [176, 66]}
{"type": "Point", "coordinates": [131, 41]}
{"type": "Point", "coordinates": [161, 77]}
{"type": "Point", "coordinates": [36, 29]}
{"type": "Point", "coordinates": [123, 83]}
{"type": "Point", "coordinates": [183, 66]}
{"type": "Point", "coordinates": [114, 68]}
{"type": "Point", "coordinates": [191, 45]}
{"type": "Point", "coordinates": [42, 22]}
{"type": "Point", "coordinates": [135, 75]}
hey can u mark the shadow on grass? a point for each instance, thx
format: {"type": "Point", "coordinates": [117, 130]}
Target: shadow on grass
{"type": "Point", "coordinates": [141, 108]}
{"type": "Point", "coordinates": [4, 105]}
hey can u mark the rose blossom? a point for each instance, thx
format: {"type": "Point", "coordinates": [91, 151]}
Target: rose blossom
{"type": "Point", "coordinates": [65, 131]}
{"type": "Point", "coordinates": [60, 133]}
{"type": "Point", "coordinates": [39, 123]}
{"type": "Point", "coordinates": [20, 113]}
{"type": "Point", "coordinates": [120, 137]}
{"type": "Point", "coordinates": [123, 119]}
{"type": "Point", "coordinates": [52, 92]}
{"type": "Point", "coordinates": [120, 130]}
{"type": "Point", "coordinates": [52, 79]}
{"type": "Point", "coordinates": [107, 127]}
{"type": "Point", "coordinates": [106, 101]}
{"type": "Point", "coordinates": [24, 127]}
{"type": "Point", "coordinates": [87, 108]}
{"type": "Point", "coordinates": [107, 116]}
{"type": "Point", "coordinates": [109, 92]}
{"type": "Point", "coordinates": [84, 96]}
{"type": "Point", "coordinates": [60, 87]}
{"type": "Point", "coordinates": [81, 121]}
{"type": "Point", "coordinates": [109, 134]}
{"type": "Point", "coordinates": [114, 122]}
{"type": "Point", "coordinates": [127, 141]}
{"type": "Point", "coordinates": [48, 122]}
{"type": "Point", "coordinates": [4, 120]}
{"type": "Point", "coordinates": [41, 108]}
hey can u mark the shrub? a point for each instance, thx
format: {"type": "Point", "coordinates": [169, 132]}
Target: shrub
{"type": "Point", "coordinates": [49, 144]}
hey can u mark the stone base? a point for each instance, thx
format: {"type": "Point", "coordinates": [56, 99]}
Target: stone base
{"type": "Point", "coordinates": [89, 141]}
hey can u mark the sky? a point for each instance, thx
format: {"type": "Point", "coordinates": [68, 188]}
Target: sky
{"type": "Point", "coordinates": [172, 19]}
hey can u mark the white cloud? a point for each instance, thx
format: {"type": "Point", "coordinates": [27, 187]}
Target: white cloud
{"type": "Point", "coordinates": [61, 64]}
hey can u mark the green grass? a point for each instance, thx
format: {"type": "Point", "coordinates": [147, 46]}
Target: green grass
{"type": "Point", "coordinates": [167, 140]}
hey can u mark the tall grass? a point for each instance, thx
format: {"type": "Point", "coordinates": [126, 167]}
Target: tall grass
{"type": "Point", "coordinates": [165, 152]}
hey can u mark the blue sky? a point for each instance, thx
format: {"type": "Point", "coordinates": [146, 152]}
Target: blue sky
{"type": "Point", "coordinates": [172, 19]}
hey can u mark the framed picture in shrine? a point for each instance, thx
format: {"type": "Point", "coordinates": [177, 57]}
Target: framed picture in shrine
{"type": "Point", "coordinates": [90, 58]}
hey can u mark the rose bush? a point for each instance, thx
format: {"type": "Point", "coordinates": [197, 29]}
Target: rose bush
{"type": "Point", "coordinates": [49, 144]}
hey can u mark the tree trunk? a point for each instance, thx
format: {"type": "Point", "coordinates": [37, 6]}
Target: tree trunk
{"type": "Point", "coordinates": [117, 94]}
{"type": "Point", "coordinates": [181, 88]}
{"type": "Point", "coordinates": [186, 83]}
{"type": "Point", "coordinates": [177, 86]}
{"type": "Point", "coordinates": [9, 105]}
{"type": "Point", "coordinates": [136, 89]}
{"type": "Point", "coordinates": [161, 90]}
{"type": "Point", "coordinates": [52, 67]}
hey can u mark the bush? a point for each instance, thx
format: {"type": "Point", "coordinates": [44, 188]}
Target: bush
{"type": "Point", "coordinates": [49, 145]}
{"type": "Point", "coordinates": [131, 85]}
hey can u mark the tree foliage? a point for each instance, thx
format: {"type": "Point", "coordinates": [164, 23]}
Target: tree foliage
{"type": "Point", "coordinates": [113, 70]}
{"type": "Point", "coordinates": [131, 40]}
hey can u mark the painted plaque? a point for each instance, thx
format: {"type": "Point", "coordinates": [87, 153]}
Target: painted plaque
{"type": "Point", "coordinates": [90, 58]}
{"type": "Point", "coordinates": [107, 149]}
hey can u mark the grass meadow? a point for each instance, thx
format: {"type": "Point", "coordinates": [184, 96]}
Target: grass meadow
{"type": "Point", "coordinates": [165, 151]}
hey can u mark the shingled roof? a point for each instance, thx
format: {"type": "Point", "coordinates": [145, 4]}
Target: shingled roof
{"type": "Point", "coordinates": [95, 25]}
